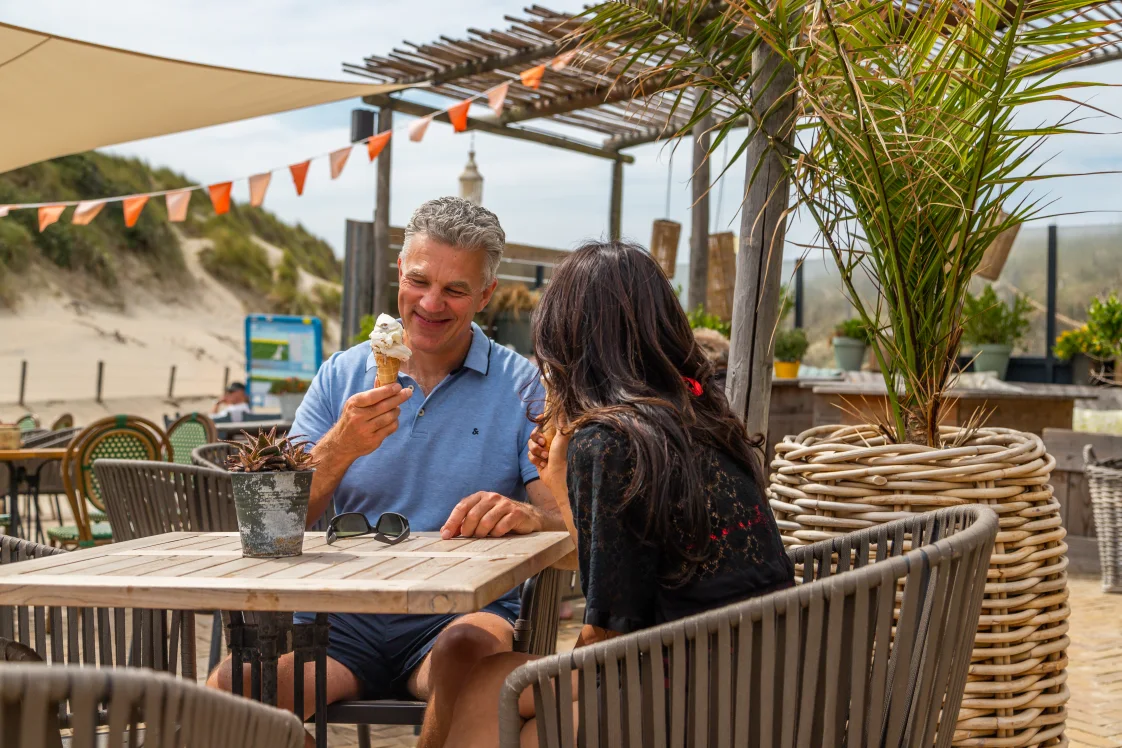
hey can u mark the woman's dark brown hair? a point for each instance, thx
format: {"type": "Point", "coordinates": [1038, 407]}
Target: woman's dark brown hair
{"type": "Point", "coordinates": [614, 346]}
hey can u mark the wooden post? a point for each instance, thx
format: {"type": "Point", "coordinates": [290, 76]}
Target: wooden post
{"type": "Point", "coordinates": [22, 380]}
{"type": "Point", "coordinates": [380, 271]}
{"type": "Point", "coordinates": [699, 217]}
{"type": "Point", "coordinates": [226, 380]}
{"type": "Point", "coordinates": [760, 259]}
{"type": "Point", "coordinates": [171, 384]}
{"type": "Point", "coordinates": [100, 379]}
{"type": "Point", "coordinates": [615, 210]}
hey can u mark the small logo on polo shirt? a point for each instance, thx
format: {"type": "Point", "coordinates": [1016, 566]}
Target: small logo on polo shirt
{"type": "Point", "coordinates": [475, 432]}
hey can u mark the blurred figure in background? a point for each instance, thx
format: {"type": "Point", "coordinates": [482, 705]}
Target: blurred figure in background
{"type": "Point", "coordinates": [715, 346]}
{"type": "Point", "coordinates": [233, 403]}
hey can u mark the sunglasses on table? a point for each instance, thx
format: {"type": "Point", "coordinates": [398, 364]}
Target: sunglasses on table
{"type": "Point", "coordinates": [391, 528]}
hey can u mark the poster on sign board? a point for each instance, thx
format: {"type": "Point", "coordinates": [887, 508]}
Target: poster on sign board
{"type": "Point", "coordinates": [280, 347]}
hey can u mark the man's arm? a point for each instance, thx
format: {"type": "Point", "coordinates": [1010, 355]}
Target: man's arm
{"type": "Point", "coordinates": [491, 515]}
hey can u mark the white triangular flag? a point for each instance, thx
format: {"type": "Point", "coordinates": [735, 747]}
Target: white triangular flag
{"type": "Point", "coordinates": [562, 61]}
{"type": "Point", "coordinates": [86, 211]}
{"type": "Point", "coordinates": [338, 161]}
{"type": "Point", "coordinates": [418, 127]}
{"type": "Point", "coordinates": [496, 97]}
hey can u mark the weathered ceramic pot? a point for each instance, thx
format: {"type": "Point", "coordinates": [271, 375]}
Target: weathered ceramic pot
{"type": "Point", "coordinates": [993, 357]}
{"type": "Point", "coordinates": [272, 512]}
{"type": "Point", "coordinates": [849, 353]}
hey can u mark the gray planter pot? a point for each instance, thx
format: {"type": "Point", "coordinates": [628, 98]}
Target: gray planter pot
{"type": "Point", "coordinates": [993, 357]}
{"type": "Point", "coordinates": [289, 402]}
{"type": "Point", "coordinates": [272, 512]}
{"type": "Point", "coordinates": [849, 353]}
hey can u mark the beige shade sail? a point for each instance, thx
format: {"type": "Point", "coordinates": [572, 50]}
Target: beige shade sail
{"type": "Point", "coordinates": [60, 96]}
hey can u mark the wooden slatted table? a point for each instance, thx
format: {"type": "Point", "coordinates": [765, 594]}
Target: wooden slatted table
{"type": "Point", "coordinates": [206, 571]}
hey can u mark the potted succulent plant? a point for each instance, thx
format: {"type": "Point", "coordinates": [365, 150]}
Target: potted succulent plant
{"type": "Point", "coordinates": [851, 337]}
{"type": "Point", "coordinates": [290, 392]}
{"type": "Point", "coordinates": [272, 477]}
{"type": "Point", "coordinates": [790, 347]}
{"type": "Point", "coordinates": [993, 327]}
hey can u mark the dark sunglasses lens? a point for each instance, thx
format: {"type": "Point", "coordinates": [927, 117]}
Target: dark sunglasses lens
{"type": "Point", "coordinates": [391, 525]}
{"type": "Point", "coordinates": [351, 524]}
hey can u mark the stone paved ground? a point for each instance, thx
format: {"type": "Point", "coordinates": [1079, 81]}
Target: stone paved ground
{"type": "Point", "coordinates": [1094, 673]}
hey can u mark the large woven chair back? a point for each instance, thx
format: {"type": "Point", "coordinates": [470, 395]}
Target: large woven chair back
{"type": "Point", "coordinates": [871, 649]}
{"type": "Point", "coordinates": [145, 498]}
{"type": "Point", "coordinates": [140, 708]}
{"type": "Point", "coordinates": [102, 637]}
{"type": "Point", "coordinates": [188, 432]}
{"type": "Point", "coordinates": [116, 437]}
{"type": "Point", "coordinates": [213, 455]}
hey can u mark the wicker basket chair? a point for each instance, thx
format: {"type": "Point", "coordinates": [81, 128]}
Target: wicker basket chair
{"type": "Point", "coordinates": [871, 649]}
{"type": "Point", "coordinates": [127, 437]}
{"type": "Point", "coordinates": [188, 432]}
{"type": "Point", "coordinates": [102, 637]}
{"type": "Point", "coordinates": [1104, 478]}
{"type": "Point", "coordinates": [212, 455]}
{"type": "Point", "coordinates": [139, 708]}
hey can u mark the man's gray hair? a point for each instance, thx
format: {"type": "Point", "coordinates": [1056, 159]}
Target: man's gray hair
{"type": "Point", "coordinates": [462, 224]}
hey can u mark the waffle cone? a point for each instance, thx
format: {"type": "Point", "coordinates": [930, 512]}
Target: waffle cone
{"type": "Point", "coordinates": [388, 366]}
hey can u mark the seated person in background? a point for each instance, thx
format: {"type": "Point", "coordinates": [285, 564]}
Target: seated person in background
{"type": "Point", "coordinates": [715, 346]}
{"type": "Point", "coordinates": [656, 480]}
{"type": "Point", "coordinates": [447, 446]}
{"type": "Point", "coordinates": [233, 403]}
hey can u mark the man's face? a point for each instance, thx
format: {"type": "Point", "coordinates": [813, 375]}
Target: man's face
{"type": "Point", "coordinates": [441, 288]}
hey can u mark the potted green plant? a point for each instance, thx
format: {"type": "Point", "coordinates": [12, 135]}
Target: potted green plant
{"type": "Point", "coordinates": [912, 158]}
{"type": "Point", "coordinates": [1104, 323]}
{"type": "Point", "coordinates": [290, 392]}
{"type": "Point", "coordinates": [992, 327]}
{"type": "Point", "coordinates": [790, 347]}
{"type": "Point", "coordinates": [851, 337]}
{"type": "Point", "coordinates": [272, 477]}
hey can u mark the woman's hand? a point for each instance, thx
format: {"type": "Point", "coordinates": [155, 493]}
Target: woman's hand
{"type": "Point", "coordinates": [549, 457]}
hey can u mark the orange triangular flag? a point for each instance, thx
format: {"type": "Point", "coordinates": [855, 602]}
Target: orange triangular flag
{"type": "Point", "coordinates": [258, 183]}
{"type": "Point", "coordinates": [418, 127]}
{"type": "Point", "coordinates": [87, 211]}
{"type": "Point", "coordinates": [133, 205]}
{"type": "Point", "coordinates": [458, 115]}
{"type": "Point", "coordinates": [220, 196]}
{"type": "Point", "coordinates": [561, 61]}
{"type": "Point", "coordinates": [375, 144]}
{"type": "Point", "coordinates": [48, 214]}
{"type": "Point", "coordinates": [299, 174]}
{"type": "Point", "coordinates": [338, 160]}
{"type": "Point", "coordinates": [177, 203]}
{"type": "Point", "coordinates": [532, 78]}
{"type": "Point", "coordinates": [496, 97]}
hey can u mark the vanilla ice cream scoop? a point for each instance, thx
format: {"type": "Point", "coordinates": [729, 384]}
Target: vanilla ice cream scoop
{"type": "Point", "coordinates": [388, 338]}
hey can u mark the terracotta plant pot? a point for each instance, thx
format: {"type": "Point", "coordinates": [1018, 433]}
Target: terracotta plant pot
{"type": "Point", "coordinates": [272, 512]}
{"type": "Point", "coordinates": [787, 369]}
{"type": "Point", "coordinates": [831, 480]}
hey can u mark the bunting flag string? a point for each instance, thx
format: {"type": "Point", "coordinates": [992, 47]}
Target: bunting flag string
{"type": "Point", "coordinates": [178, 200]}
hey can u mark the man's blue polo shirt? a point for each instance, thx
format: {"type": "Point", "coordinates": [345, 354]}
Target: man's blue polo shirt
{"type": "Point", "coordinates": [470, 434]}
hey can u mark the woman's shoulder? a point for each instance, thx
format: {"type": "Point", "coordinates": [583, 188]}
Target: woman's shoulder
{"type": "Point", "coordinates": [598, 436]}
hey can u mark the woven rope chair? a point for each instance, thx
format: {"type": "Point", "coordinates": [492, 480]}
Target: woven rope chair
{"type": "Point", "coordinates": [100, 637]}
{"type": "Point", "coordinates": [163, 710]}
{"type": "Point", "coordinates": [187, 433]}
{"type": "Point", "coordinates": [121, 437]}
{"type": "Point", "coordinates": [212, 455]}
{"type": "Point", "coordinates": [871, 649]}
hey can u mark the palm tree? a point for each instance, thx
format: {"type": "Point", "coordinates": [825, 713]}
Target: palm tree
{"type": "Point", "coordinates": [909, 151]}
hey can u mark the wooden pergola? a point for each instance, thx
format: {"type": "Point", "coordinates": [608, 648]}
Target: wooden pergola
{"type": "Point", "coordinates": [597, 97]}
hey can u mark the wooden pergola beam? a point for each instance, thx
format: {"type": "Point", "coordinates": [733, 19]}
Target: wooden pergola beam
{"type": "Point", "coordinates": [518, 133]}
{"type": "Point", "coordinates": [474, 67]}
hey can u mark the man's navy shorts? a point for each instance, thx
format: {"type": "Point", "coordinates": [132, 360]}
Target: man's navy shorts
{"type": "Point", "coordinates": [383, 650]}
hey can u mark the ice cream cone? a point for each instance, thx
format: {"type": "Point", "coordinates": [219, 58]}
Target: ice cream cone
{"type": "Point", "coordinates": [388, 366]}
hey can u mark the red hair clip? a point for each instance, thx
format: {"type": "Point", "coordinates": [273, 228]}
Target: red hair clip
{"type": "Point", "coordinates": [693, 386]}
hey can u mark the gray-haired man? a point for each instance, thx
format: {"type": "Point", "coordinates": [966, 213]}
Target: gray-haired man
{"type": "Point", "coordinates": [446, 446]}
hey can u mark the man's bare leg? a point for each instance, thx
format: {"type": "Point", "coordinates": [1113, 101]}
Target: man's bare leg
{"type": "Point", "coordinates": [341, 684]}
{"type": "Point", "coordinates": [440, 677]}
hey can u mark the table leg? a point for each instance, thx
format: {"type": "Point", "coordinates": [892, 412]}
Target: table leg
{"type": "Point", "coordinates": [33, 482]}
{"type": "Point", "coordinates": [15, 478]}
{"type": "Point", "coordinates": [268, 633]}
{"type": "Point", "coordinates": [235, 628]}
{"type": "Point", "coordinates": [322, 627]}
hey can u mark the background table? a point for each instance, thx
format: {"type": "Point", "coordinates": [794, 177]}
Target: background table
{"type": "Point", "coordinates": [206, 571]}
{"type": "Point", "coordinates": [17, 476]}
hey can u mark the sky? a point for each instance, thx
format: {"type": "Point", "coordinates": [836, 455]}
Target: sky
{"type": "Point", "coordinates": [543, 196]}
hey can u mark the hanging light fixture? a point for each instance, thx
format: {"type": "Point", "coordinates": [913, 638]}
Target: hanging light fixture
{"type": "Point", "coordinates": [471, 181]}
{"type": "Point", "coordinates": [666, 233]}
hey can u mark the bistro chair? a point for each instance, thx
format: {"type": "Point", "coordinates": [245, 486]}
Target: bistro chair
{"type": "Point", "coordinates": [212, 455]}
{"type": "Point", "coordinates": [65, 421]}
{"type": "Point", "coordinates": [119, 637]}
{"type": "Point", "coordinates": [871, 649]}
{"type": "Point", "coordinates": [124, 437]}
{"type": "Point", "coordinates": [43, 477]}
{"type": "Point", "coordinates": [140, 708]}
{"type": "Point", "coordinates": [27, 422]}
{"type": "Point", "coordinates": [188, 432]}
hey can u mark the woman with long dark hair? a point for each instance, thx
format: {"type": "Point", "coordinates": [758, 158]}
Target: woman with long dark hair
{"type": "Point", "coordinates": [659, 483]}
